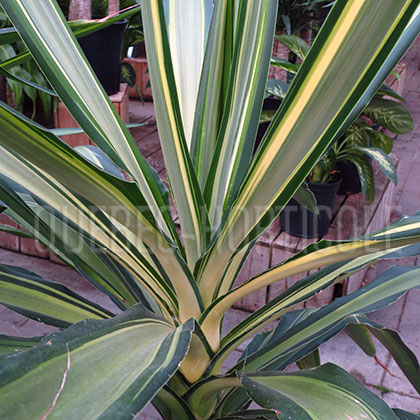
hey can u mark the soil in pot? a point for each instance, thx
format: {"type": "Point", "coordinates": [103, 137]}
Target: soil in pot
{"type": "Point", "coordinates": [103, 50]}
{"type": "Point", "coordinates": [299, 221]}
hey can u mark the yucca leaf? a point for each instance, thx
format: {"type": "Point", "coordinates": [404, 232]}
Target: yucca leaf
{"type": "Point", "coordinates": [184, 183]}
{"type": "Point", "coordinates": [239, 124]}
{"type": "Point", "coordinates": [171, 406]}
{"type": "Point", "coordinates": [405, 415]}
{"type": "Point", "coordinates": [45, 301]}
{"type": "Point", "coordinates": [338, 394]}
{"type": "Point", "coordinates": [340, 257]}
{"type": "Point", "coordinates": [327, 321]}
{"type": "Point", "coordinates": [328, 87]}
{"type": "Point", "coordinates": [80, 27]}
{"type": "Point", "coordinates": [203, 396]}
{"type": "Point", "coordinates": [60, 132]}
{"type": "Point", "coordinates": [250, 415]}
{"type": "Point", "coordinates": [361, 328]}
{"type": "Point", "coordinates": [9, 344]}
{"type": "Point", "coordinates": [188, 24]}
{"type": "Point", "coordinates": [52, 44]}
{"type": "Point", "coordinates": [63, 222]}
{"type": "Point", "coordinates": [131, 356]}
{"type": "Point", "coordinates": [211, 92]}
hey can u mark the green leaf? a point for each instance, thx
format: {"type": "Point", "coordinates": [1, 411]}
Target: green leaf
{"type": "Point", "coordinates": [312, 360]}
{"type": "Point", "coordinates": [307, 335]}
{"type": "Point", "coordinates": [45, 301]}
{"type": "Point", "coordinates": [328, 87]}
{"type": "Point", "coordinates": [9, 344]}
{"type": "Point", "coordinates": [305, 197]}
{"type": "Point", "coordinates": [366, 175]}
{"type": "Point", "coordinates": [295, 44]}
{"type": "Point", "coordinates": [26, 81]}
{"type": "Point", "coordinates": [284, 64]}
{"type": "Point", "coordinates": [338, 395]}
{"type": "Point", "coordinates": [403, 356]}
{"type": "Point", "coordinates": [129, 357]}
{"type": "Point", "coordinates": [385, 90]}
{"type": "Point", "coordinates": [384, 162]}
{"type": "Point", "coordinates": [54, 47]}
{"type": "Point", "coordinates": [184, 184]}
{"type": "Point", "coordinates": [381, 141]}
{"type": "Point", "coordinates": [46, 99]}
{"type": "Point", "coordinates": [360, 335]}
{"type": "Point", "coordinates": [267, 115]}
{"type": "Point", "coordinates": [405, 415]}
{"type": "Point", "coordinates": [389, 114]}
{"type": "Point", "coordinates": [277, 88]}
{"type": "Point", "coordinates": [15, 231]}
{"type": "Point", "coordinates": [128, 74]}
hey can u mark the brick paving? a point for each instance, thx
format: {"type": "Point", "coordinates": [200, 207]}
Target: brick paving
{"type": "Point", "coordinates": [402, 316]}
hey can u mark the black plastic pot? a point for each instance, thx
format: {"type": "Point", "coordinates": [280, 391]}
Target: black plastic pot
{"type": "Point", "coordinates": [139, 50]}
{"type": "Point", "coordinates": [103, 50]}
{"type": "Point", "coordinates": [299, 221]}
{"type": "Point", "coordinates": [350, 180]}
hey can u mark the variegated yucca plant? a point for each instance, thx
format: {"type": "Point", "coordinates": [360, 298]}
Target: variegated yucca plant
{"type": "Point", "coordinates": [208, 64]}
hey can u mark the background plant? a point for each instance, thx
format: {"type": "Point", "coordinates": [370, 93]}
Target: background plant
{"type": "Point", "coordinates": [364, 141]}
{"type": "Point", "coordinates": [162, 341]}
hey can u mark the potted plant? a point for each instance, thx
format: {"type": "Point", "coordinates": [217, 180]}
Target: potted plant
{"type": "Point", "coordinates": [135, 71]}
{"type": "Point", "coordinates": [103, 48]}
{"type": "Point", "coordinates": [162, 342]}
{"type": "Point", "coordinates": [346, 168]}
{"type": "Point", "coordinates": [368, 131]}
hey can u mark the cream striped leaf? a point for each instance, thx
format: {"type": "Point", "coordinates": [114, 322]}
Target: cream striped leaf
{"type": "Point", "coordinates": [358, 253]}
{"type": "Point", "coordinates": [346, 57]}
{"type": "Point", "coordinates": [52, 303]}
{"type": "Point", "coordinates": [188, 23]}
{"type": "Point", "coordinates": [52, 44]}
{"type": "Point", "coordinates": [138, 354]}
{"type": "Point", "coordinates": [241, 111]}
{"type": "Point", "coordinates": [184, 184]}
{"type": "Point", "coordinates": [80, 214]}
